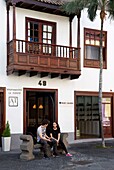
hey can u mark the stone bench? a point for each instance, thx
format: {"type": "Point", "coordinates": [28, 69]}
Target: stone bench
{"type": "Point", "coordinates": [27, 147]}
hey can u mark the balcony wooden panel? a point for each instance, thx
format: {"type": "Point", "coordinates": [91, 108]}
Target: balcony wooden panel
{"type": "Point", "coordinates": [21, 58]}
{"type": "Point", "coordinates": [43, 61]}
{"type": "Point", "coordinates": [93, 63]}
{"type": "Point", "coordinates": [46, 58]}
{"type": "Point", "coordinates": [33, 60]}
{"type": "Point", "coordinates": [54, 62]}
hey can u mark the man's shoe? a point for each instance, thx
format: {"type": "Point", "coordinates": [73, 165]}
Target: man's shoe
{"type": "Point", "coordinates": [55, 155]}
{"type": "Point", "coordinates": [46, 157]}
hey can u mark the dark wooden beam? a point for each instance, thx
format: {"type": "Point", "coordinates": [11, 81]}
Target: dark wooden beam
{"type": "Point", "coordinates": [14, 22]}
{"type": "Point", "coordinates": [74, 77]}
{"type": "Point", "coordinates": [70, 29]}
{"type": "Point", "coordinates": [44, 74]}
{"type": "Point", "coordinates": [33, 6]}
{"type": "Point", "coordinates": [78, 30]}
{"type": "Point", "coordinates": [8, 32]}
{"type": "Point", "coordinates": [33, 73]}
{"type": "Point", "coordinates": [40, 4]}
{"type": "Point", "coordinates": [21, 4]}
{"type": "Point", "coordinates": [64, 76]}
{"type": "Point", "coordinates": [21, 72]}
{"type": "Point", "coordinates": [54, 75]}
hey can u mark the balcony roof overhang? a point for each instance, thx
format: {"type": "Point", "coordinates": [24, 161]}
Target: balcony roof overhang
{"type": "Point", "coordinates": [47, 6]}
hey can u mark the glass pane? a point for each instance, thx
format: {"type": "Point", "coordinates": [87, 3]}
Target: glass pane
{"type": "Point", "coordinates": [28, 25]}
{"type": "Point", "coordinates": [97, 36]}
{"type": "Point", "coordinates": [31, 32]}
{"type": "Point", "coordinates": [31, 39]}
{"type": "Point", "coordinates": [87, 34]}
{"type": "Point", "coordinates": [31, 25]}
{"type": "Point", "coordinates": [35, 39]}
{"type": "Point", "coordinates": [35, 26]}
{"type": "Point", "coordinates": [49, 36]}
{"type": "Point", "coordinates": [44, 41]}
{"type": "Point", "coordinates": [28, 32]}
{"type": "Point", "coordinates": [49, 41]}
{"type": "Point", "coordinates": [36, 33]}
{"type": "Point", "coordinates": [97, 42]}
{"type": "Point", "coordinates": [88, 100]}
{"type": "Point", "coordinates": [49, 49]}
{"type": "Point", "coordinates": [44, 27]}
{"type": "Point", "coordinates": [92, 52]}
{"type": "Point", "coordinates": [44, 35]}
{"type": "Point", "coordinates": [87, 41]}
{"type": "Point", "coordinates": [95, 108]}
{"type": "Point", "coordinates": [49, 28]}
{"type": "Point", "coordinates": [92, 35]}
{"type": "Point", "coordinates": [44, 49]}
{"type": "Point", "coordinates": [92, 42]}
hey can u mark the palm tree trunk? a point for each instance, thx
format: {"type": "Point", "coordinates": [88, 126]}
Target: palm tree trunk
{"type": "Point", "coordinates": [100, 83]}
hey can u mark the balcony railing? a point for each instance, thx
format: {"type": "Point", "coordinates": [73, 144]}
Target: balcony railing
{"type": "Point", "coordinates": [25, 53]}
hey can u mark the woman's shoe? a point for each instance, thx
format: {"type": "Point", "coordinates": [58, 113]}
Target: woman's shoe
{"type": "Point", "coordinates": [68, 154]}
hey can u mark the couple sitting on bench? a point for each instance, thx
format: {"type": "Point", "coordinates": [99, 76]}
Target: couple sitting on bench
{"type": "Point", "coordinates": [53, 138]}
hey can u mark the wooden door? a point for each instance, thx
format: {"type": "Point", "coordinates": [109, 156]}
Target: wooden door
{"type": "Point", "coordinates": [40, 105]}
{"type": "Point", "coordinates": [106, 117]}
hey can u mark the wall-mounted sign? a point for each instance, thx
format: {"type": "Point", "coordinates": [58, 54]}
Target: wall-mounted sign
{"type": "Point", "coordinates": [65, 102]}
{"type": "Point", "coordinates": [14, 91]}
{"type": "Point", "coordinates": [13, 101]}
{"type": "Point", "coordinates": [14, 97]}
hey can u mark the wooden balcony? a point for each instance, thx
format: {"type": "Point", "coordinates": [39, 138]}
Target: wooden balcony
{"type": "Point", "coordinates": [33, 58]}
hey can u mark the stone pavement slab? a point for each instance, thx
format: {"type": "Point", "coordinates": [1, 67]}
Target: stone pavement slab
{"type": "Point", "coordinates": [86, 156]}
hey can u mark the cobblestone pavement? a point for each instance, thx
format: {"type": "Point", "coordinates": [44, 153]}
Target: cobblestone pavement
{"type": "Point", "coordinates": [86, 156]}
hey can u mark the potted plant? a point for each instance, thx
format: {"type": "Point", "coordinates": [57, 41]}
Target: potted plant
{"type": "Point", "coordinates": [6, 138]}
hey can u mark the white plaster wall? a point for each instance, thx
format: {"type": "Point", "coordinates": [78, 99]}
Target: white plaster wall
{"type": "Point", "coordinates": [21, 14]}
{"type": "Point", "coordinates": [88, 81]}
{"type": "Point", "coordinates": [2, 41]}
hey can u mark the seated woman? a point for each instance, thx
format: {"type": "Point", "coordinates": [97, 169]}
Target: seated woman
{"type": "Point", "coordinates": [55, 135]}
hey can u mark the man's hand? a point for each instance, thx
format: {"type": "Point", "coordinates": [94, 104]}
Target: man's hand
{"type": "Point", "coordinates": [48, 140]}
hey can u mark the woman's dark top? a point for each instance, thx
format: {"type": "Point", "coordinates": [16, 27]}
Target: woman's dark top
{"type": "Point", "coordinates": [55, 133]}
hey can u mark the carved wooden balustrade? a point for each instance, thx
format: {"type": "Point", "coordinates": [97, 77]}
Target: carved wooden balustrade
{"type": "Point", "coordinates": [39, 57]}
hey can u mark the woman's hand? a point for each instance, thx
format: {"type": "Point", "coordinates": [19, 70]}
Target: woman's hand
{"type": "Point", "coordinates": [57, 142]}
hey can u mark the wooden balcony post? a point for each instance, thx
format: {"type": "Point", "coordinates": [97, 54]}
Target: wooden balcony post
{"type": "Point", "coordinates": [14, 31]}
{"type": "Point", "coordinates": [8, 30]}
{"type": "Point", "coordinates": [70, 33]}
{"type": "Point", "coordinates": [78, 30]}
{"type": "Point", "coordinates": [8, 33]}
{"type": "Point", "coordinates": [78, 40]}
{"type": "Point", "coordinates": [70, 29]}
{"type": "Point", "coordinates": [14, 21]}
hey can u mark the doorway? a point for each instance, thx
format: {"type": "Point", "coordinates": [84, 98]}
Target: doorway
{"type": "Point", "coordinates": [87, 119]}
{"type": "Point", "coordinates": [40, 104]}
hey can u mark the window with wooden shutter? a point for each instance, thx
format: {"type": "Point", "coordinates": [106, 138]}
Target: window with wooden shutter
{"type": "Point", "coordinates": [92, 48]}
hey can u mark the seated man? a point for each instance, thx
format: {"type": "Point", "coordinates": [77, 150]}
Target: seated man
{"type": "Point", "coordinates": [44, 139]}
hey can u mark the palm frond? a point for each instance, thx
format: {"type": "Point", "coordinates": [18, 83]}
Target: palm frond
{"type": "Point", "coordinates": [74, 7]}
{"type": "Point", "coordinates": [110, 8]}
{"type": "Point", "coordinates": [92, 9]}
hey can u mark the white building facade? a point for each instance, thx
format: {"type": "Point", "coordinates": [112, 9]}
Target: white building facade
{"type": "Point", "coordinates": [30, 93]}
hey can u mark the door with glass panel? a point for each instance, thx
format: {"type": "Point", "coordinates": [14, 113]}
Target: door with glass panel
{"type": "Point", "coordinates": [41, 35]}
{"type": "Point", "coordinates": [40, 105]}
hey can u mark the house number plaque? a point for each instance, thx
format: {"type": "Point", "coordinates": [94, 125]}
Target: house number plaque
{"type": "Point", "coordinates": [42, 83]}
